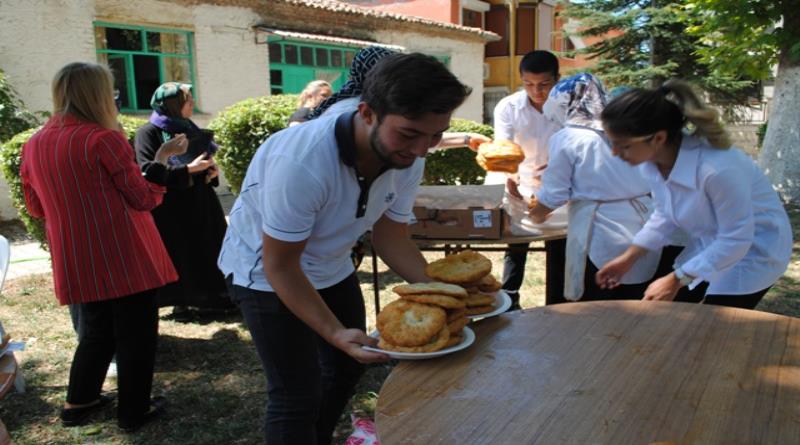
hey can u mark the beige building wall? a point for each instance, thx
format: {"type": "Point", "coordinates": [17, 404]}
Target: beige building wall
{"type": "Point", "coordinates": [37, 37]}
{"type": "Point", "coordinates": [466, 62]}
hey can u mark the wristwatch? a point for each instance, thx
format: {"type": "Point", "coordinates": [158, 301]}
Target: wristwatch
{"type": "Point", "coordinates": [684, 279]}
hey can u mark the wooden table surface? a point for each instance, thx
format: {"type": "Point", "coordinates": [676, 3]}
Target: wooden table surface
{"type": "Point", "coordinates": [624, 372]}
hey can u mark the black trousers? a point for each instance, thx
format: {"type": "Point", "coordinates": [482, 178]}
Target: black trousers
{"type": "Point", "coordinates": [514, 271]}
{"type": "Point", "coordinates": [309, 381]}
{"type": "Point", "coordinates": [127, 326]}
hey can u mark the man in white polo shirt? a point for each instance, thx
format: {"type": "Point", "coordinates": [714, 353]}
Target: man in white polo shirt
{"type": "Point", "coordinates": [309, 192]}
{"type": "Point", "coordinates": [519, 118]}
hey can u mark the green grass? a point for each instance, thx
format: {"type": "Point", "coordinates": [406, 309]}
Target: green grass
{"type": "Point", "coordinates": [208, 368]}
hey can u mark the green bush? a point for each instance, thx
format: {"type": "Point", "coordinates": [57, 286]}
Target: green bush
{"type": "Point", "coordinates": [456, 166]}
{"type": "Point", "coordinates": [14, 118]}
{"type": "Point", "coordinates": [10, 160]}
{"type": "Point", "coordinates": [242, 127]}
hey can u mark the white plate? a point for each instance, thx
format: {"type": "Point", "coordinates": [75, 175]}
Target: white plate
{"type": "Point", "coordinates": [557, 220]}
{"type": "Point", "coordinates": [469, 338]}
{"type": "Point", "coordinates": [501, 303]}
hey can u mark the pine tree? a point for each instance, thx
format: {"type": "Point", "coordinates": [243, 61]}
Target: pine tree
{"type": "Point", "coordinates": [644, 42]}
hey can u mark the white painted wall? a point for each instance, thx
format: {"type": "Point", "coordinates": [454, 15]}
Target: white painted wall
{"type": "Point", "coordinates": [466, 62]}
{"type": "Point", "coordinates": [37, 37]}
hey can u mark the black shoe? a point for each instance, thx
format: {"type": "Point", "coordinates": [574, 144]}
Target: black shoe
{"type": "Point", "coordinates": [78, 416]}
{"type": "Point", "coordinates": [157, 407]}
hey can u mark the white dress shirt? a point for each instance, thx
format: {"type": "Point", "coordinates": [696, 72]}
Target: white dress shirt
{"type": "Point", "coordinates": [740, 236]}
{"type": "Point", "coordinates": [517, 120]}
{"type": "Point", "coordinates": [608, 204]}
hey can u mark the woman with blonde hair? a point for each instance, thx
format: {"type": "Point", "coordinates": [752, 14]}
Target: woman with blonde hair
{"type": "Point", "coordinates": [79, 174]}
{"type": "Point", "coordinates": [740, 238]}
{"type": "Point", "coordinates": [312, 95]}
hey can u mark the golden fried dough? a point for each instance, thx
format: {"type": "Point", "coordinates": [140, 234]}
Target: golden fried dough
{"type": "Point", "coordinates": [455, 314]}
{"type": "Point", "coordinates": [451, 290]}
{"type": "Point", "coordinates": [478, 310]}
{"type": "Point", "coordinates": [463, 267]}
{"type": "Point", "coordinates": [456, 326]}
{"type": "Point", "coordinates": [479, 300]}
{"type": "Point", "coordinates": [501, 155]}
{"type": "Point", "coordinates": [436, 343]}
{"type": "Point", "coordinates": [454, 340]}
{"type": "Point", "coordinates": [409, 324]}
{"type": "Point", "coordinates": [436, 300]}
{"type": "Point", "coordinates": [489, 284]}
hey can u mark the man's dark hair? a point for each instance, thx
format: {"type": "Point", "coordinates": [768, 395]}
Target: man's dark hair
{"type": "Point", "coordinates": [539, 61]}
{"type": "Point", "coordinates": [411, 85]}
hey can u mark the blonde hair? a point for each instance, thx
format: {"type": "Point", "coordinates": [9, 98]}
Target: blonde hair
{"type": "Point", "coordinates": [86, 91]}
{"type": "Point", "coordinates": [641, 112]}
{"type": "Point", "coordinates": [312, 89]}
{"type": "Point", "coordinates": [705, 120]}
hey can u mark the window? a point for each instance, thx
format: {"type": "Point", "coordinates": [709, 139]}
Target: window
{"type": "Point", "coordinates": [497, 22]}
{"type": "Point", "coordinates": [143, 58]}
{"type": "Point", "coordinates": [526, 29]}
{"type": "Point", "coordinates": [473, 19]}
{"type": "Point", "coordinates": [294, 63]}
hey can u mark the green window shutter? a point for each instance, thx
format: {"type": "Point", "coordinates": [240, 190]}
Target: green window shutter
{"type": "Point", "coordinates": [142, 58]}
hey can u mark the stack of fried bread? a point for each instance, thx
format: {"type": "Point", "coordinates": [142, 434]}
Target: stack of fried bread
{"type": "Point", "coordinates": [427, 317]}
{"type": "Point", "coordinates": [500, 156]}
{"type": "Point", "coordinates": [471, 271]}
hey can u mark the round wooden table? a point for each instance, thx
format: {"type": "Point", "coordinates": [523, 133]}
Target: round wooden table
{"type": "Point", "coordinates": [609, 372]}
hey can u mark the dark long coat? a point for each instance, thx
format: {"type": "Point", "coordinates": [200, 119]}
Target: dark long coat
{"type": "Point", "coordinates": [191, 223]}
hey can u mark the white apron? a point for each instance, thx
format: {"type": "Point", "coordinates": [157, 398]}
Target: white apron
{"type": "Point", "coordinates": [603, 230]}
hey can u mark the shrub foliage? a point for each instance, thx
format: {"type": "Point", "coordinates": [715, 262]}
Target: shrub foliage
{"type": "Point", "coordinates": [241, 128]}
{"type": "Point", "coordinates": [10, 159]}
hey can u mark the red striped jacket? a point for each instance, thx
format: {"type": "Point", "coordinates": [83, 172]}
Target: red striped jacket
{"type": "Point", "coordinates": [83, 180]}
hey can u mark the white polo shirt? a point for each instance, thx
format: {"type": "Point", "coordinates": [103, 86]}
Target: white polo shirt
{"type": "Point", "coordinates": [517, 120]}
{"type": "Point", "coordinates": [302, 185]}
{"type": "Point", "coordinates": [740, 236]}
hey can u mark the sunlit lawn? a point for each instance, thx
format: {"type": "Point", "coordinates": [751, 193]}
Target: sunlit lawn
{"type": "Point", "coordinates": [207, 367]}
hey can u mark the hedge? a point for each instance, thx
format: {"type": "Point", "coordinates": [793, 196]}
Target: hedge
{"type": "Point", "coordinates": [10, 159]}
{"type": "Point", "coordinates": [14, 118]}
{"type": "Point", "coordinates": [241, 128]}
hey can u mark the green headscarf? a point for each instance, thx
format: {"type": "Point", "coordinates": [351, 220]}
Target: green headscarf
{"type": "Point", "coordinates": [166, 91]}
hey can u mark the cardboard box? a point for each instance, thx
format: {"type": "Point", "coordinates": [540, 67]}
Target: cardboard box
{"type": "Point", "coordinates": [458, 212]}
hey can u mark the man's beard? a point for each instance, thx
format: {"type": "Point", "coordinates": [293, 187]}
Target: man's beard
{"type": "Point", "coordinates": [380, 150]}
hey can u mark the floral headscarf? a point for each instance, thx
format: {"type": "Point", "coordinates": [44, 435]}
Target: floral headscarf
{"type": "Point", "coordinates": [362, 63]}
{"type": "Point", "coordinates": [577, 101]}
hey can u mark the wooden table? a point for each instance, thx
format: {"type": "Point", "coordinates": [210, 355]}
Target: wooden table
{"type": "Point", "coordinates": [605, 372]}
{"type": "Point", "coordinates": [554, 249]}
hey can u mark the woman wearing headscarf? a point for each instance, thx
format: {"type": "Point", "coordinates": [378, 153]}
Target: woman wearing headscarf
{"type": "Point", "coordinates": [190, 220]}
{"type": "Point", "coordinates": [608, 200]}
{"type": "Point", "coordinates": [78, 173]}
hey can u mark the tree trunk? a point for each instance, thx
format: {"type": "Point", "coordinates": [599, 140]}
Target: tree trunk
{"type": "Point", "coordinates": [780, 154]}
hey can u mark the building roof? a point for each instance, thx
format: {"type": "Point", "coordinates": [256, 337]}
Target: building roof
{"type": "Point", "coordinates": [346, 8]}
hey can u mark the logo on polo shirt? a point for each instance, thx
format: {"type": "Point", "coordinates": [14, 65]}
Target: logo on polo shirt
{"type": "Point", "coordinates": [389, 197]}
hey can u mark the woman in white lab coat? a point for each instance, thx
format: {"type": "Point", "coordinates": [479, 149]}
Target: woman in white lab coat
{"type": "Point", "coordinates": [740, 237]}
{"type": "Point", "coordinates": [608, 199]}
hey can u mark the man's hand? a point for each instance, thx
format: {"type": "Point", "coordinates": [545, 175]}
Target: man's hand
{"type": "Point", "coordinates": [351, 341]}
{"type": "Point", "coordinates": [212, 172]}
{"type": "Point", "coordinates": [476, 139]}
{"type": "Point", "coordinates": [663, 289]}
{"type": "Point", "coordinates": [173, 147]}
{"type": "Point", "coordinates": [513, 188]}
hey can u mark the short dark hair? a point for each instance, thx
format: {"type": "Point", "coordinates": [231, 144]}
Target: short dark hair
{"type": "Point", "coordinates": [539, 61]}
{"type": "Point", "coordinates": [411, 85]}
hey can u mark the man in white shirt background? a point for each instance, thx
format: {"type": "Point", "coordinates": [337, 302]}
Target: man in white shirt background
{"type": "Point", "coordinates": [519, 118]}
{"type": "Point", "coordinates": [309, 193]}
